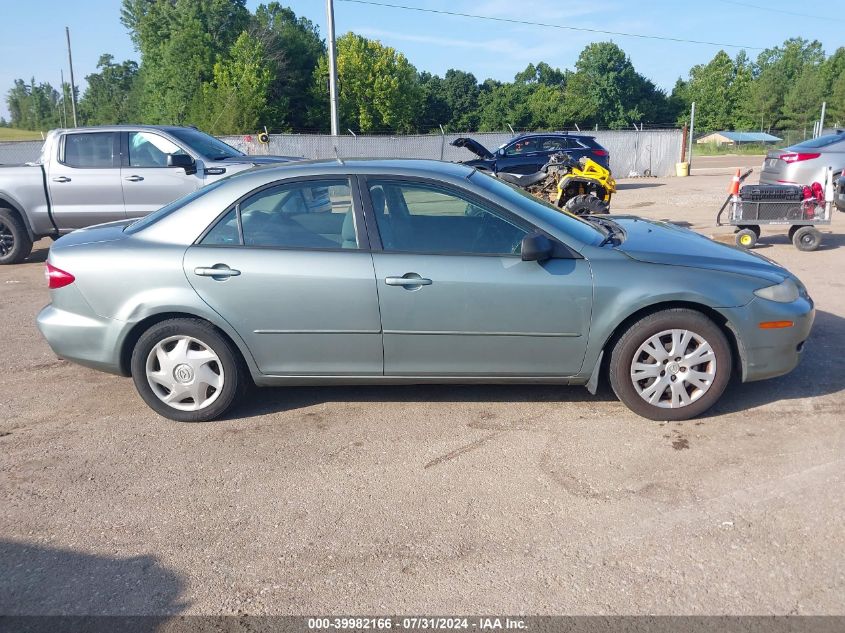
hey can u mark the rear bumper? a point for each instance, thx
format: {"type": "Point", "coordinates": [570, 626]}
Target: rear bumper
{"type": "Point", "coordinates": [767, 353]}
{"type": "Point", "coordinates": [91, 341]}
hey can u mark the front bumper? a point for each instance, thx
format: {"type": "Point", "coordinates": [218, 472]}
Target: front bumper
{"type": "Point", "coordinates": [767, 353]}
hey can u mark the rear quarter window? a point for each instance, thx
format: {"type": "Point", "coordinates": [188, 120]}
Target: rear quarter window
{"type": "Point", "coordinates": [823, 141]}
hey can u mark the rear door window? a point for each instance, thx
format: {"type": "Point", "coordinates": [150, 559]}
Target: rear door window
{"type": "Point", "coordinates": [92, 150]}
{"type": "Point", "coordinates": [315, 214]}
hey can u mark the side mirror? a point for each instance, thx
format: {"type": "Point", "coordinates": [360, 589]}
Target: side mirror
{"type": "Point", "coordinates": [536, 248]}
{"type": "Point", "coordinates": [182, 160]}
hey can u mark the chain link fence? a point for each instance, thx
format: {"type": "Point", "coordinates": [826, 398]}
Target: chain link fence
{"type": "Point", "coordinates": [19, 152]}
{"type": "Point", "coordinates": [631, 152]}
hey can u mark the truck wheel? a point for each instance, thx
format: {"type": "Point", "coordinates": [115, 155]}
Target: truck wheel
{"type": "Point", "coordinates": [807, 239]}
{"type": "Point", "coordinates": [586, 204]}
{"type": "Point", "coordinates": [15, 243]}
{"type": "Point", "coordinates": [671, 365]}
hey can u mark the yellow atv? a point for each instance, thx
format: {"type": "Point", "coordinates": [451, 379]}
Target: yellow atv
{"type": "Point", "coordinates": [583, 187]}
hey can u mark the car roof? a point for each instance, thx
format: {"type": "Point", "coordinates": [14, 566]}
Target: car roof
{"type": "Point", "coordinates": [566, 134]}
{"type": "Point", "coordinates": [398, 166]}
{"type": "Point", "coordinates": [125, 126]}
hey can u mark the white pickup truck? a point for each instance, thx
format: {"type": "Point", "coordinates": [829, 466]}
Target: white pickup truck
{"type": "Point", "coordinates": [88, 176]}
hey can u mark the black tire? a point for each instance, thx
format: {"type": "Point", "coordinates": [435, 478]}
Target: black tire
{"type": "Point", "coordinates": [792, 230]}
{"type": "Point", "coordinates": [15, 243]}
{"type": "Point", "coordinates": [751, 227]}
{"type": "Point", "coordinates": [745, 238]}
{"type": "Point", "coordinates": [622, 358]}
{"type": "Point", "coordinates": [586, 204]}
{"type": "Point", "coordinates": [235, 374]}
{"type": "Point", "coordinates": [807, 239]}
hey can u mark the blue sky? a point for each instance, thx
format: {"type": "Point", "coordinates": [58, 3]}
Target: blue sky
{"type": "Point", "coordinates": [32, 33]}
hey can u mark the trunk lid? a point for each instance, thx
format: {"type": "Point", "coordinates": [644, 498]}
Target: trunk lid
{"type": "Point", "coordinates": [109, 232]}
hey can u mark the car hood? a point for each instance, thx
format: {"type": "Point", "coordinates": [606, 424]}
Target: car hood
{"type": "Point", "coordinates": [109, 232]}
{"type": "Point", "coordinates": [474, 146]}
{"type": "Point", "coordinates": [262, 159]}
{"type": "Point", "coordinates": [665, 243]}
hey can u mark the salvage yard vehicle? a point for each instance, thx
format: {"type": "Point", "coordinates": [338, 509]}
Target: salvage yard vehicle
{"type": "Point", "coordinates": [92, 175]}
{"type": "Point", "coordinates": [582, 186]}
{"type": "Point", "coordinates": [805, 162]}
{"type": "Point", "coordinates": [527, 153]}
{"type": "Point", "coordinates": [401, 271]}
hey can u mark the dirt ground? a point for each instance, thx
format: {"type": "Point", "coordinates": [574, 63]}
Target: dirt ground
{"type": "Point", "coordinates": [478, 499]}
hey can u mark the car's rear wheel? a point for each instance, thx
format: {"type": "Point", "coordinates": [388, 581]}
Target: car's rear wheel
{"type": "Point", "coordinates": [15, 243]}
{"type": "Point", "coordinates": [671, 365]}
{"type": "Point", "coordinates": [185, 370]}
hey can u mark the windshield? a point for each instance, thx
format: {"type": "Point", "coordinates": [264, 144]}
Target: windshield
{"type": "Point", "coordinates": [208, 146]}
{"type": "Point", "coordinates": [822, 141]}
{"type": "Point", "coordinates": [155, 216]}
{"type": "Point", "coordinates": [571, 224]}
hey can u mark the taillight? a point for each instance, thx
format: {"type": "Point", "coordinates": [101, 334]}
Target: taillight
{"type": "Point", "coordinates": [599, 152]}
{"type": "Point", "coordinates": [797, 157]}
{"type": "Point", "coordinates": [56, 277]}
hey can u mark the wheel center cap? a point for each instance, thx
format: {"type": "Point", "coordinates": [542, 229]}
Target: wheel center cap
{"type": "Point", "coordinates": [183, 373]}
{"type": "Point", "coordinates": [673, 368]}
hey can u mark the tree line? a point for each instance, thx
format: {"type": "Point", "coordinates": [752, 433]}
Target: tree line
{"type": "Point", "coordinates": [216, 65]}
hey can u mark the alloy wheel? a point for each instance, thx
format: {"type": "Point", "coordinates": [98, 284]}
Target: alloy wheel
{"type": "Point", "coordinates": [7, 239]}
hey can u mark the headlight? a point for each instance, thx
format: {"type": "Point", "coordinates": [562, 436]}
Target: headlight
{"type": "Point", "coordinates": [785, 292]}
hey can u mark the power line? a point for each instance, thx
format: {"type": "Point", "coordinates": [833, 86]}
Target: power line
{"type": "Point", "coordinates": [548, 26]}
{"type": "Point", "coordinates": [784, 11]}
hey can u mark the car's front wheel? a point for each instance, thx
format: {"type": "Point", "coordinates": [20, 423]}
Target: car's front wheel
{"type": "Point", "coordinates": [185, 370]}
{"type": "Point", "coordinates": [671, 365]}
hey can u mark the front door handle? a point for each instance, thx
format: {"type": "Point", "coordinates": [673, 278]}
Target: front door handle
{"type": "Point", "coordinates": [61, 179]}
{"type": "Point", "coordinates": [408, 280]}
{"type": "Point", "coordinates": [218, 271]}
{"type": "Point", "coordinates": [134, 178]}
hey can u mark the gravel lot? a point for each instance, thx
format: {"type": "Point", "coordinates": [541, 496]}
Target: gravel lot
{"type": "Point", "coordinates": [429, 499]}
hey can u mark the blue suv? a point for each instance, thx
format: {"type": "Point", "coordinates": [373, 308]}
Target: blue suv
{"type": "Point", "coordinates": [527, 153]}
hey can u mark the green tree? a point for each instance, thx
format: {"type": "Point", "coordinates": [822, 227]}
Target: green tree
{"type": "Point", "coordinates": [34, 106]}
{"type": "Point", "coordinates": [236, 99]}
{"type": "Point", "coordinates": [775, 72]}
{"type": "Point", "coordinates": [292, 49]}
{"type": "Point", "coordinates": [180, 41]}
{"type": "Point", "coordinates": [433, 111]}
{"type": "Point", "coordinates": [108, 98]}
{"type": "Point", "coordinates": [606, 90]}
{"type": "Point", "coordinates": [378, 85]}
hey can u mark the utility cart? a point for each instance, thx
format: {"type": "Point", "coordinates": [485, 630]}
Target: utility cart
{"type": "Point", "coordinates": [801, 208]}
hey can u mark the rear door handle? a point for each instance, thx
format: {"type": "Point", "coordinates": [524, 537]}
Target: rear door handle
{"type": "Point", "coordinates": [61, 179]}
{"type": "Point", "coordinates": [220, 271]}
{"type": "Point", "coordinates": [134, 178]}
{"type": "Point", "coordinates": [407, 280]}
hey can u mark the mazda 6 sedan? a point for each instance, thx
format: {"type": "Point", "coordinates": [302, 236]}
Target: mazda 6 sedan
{"type": "Point", "coordinates": [399, 271]}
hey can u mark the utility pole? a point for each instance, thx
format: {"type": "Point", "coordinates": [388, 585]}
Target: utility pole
{"type": "Point", "coordinates": [821, 120]}
{"type": "Point", "coordinates": [691, 133]}
{"type": "Point", "coordinates": [64, 97]}
{"type": "Point", "coordinates": [332, 68]}
{"type": "Point", "coordinates": [72, 84]}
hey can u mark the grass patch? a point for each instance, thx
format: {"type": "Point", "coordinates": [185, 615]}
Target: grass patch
{"type": "Point", "coordinates": [745, 149]}
{"type": "Point", "coordinates": [14, 134]}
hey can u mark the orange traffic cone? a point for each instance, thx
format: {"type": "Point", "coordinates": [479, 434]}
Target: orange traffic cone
{"type": "Point", "coordinates": [734, 188]}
